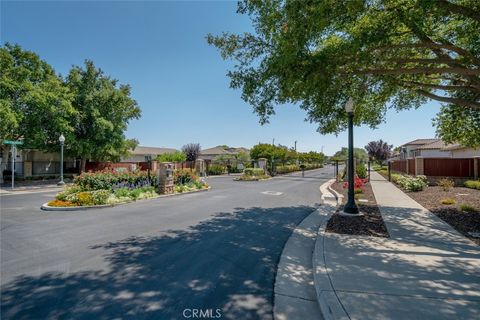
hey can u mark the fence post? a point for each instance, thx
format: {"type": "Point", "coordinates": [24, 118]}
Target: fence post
{"type": "Point", "coordinates": [368, 170]}
{"type": "Point", "coordinates": [389, 171]}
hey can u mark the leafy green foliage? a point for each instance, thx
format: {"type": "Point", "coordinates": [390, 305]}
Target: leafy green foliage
{"type": "Point", "coordinates": [396, 53]}
{"type": "Point", "coordinates": [215, 170]}
{"type": "Point", "coordinates": [103, 110]}
{"type": "Point", "coordinates": [459, 125]}
{"type": "Point", "coordinates": [467, 208]}
{"type": "Point", "coordinates": [111, 180]}
{"type": "Point", "coordinates": [410, 183]}
{"type": "Point", "coordinates": [359, 154]}
{"type": "Point", "coordinates": [34, 103]}
{"type": "Point", "coordinates": [176, 156]}
{"type": "Point", "coordinates": [472, 184]}
{"type": "Point", "coordinates": [253, 172]}
{"type": "Point", "coordinates": [183, 176]}
{"type": "Point", "coordinates": [361, 171]}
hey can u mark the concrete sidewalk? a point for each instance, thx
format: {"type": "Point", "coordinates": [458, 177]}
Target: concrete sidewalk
{"type": "Point", "coordinates": [425, 270]}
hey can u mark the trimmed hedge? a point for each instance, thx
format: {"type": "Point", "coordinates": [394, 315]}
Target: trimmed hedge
{"type": "Point", "coordinates": [110, 180]}
{"type": "Point", "coordinates": [253, 172]}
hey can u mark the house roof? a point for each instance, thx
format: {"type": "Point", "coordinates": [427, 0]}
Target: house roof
{"type": "Point", "coordinates": [439, 144]}
{"type": "Point", "coordinates": [140, 150]}
{"type": "Point", "coordinates": [220, 150]}
{"type": "Point", "coordinates": [420, 142]}
{"type": "Point", "coordinates": [215, 151]}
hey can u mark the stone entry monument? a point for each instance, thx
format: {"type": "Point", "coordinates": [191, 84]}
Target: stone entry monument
{"type": "Point", "coordinates": [262, 163]}
{"type": "Point", "coordinates": [165, 178]}
{"type": "Point", "coordinates": [200, 167]}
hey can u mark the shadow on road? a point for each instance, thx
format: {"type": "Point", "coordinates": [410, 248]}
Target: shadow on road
{"type": "Point", "coordinates": [227, 262]}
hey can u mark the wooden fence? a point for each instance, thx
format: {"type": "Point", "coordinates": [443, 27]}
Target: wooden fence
{"type": "Point", "coordinates": [399, 165]}
{"type": "Point", "coordinates": [448, 167]}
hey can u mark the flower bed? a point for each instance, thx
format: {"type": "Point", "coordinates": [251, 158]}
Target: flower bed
{"type": "Point", "coordinates": [110, 188]}
{"type": "Point", "coordinates": [253, 174]}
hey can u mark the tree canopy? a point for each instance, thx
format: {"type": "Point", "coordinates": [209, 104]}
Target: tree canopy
{"type": "Point", "coordinates": [191, 150]}
{"type": "Point", "coordinates": [177, 156]}
{"type": "Point", "coordinates": [34, 104]}
{"type": "Point", "coordinates": [359, 154]}
{"type": "Point", "coordinates": [397, 53]}
{"type": "Point", "coordinates": [283, 154]}
{"type": "Point", "coordinates": [103, 110]}
{"type": "Point", "coordinates": [378, 150]}
{"type": "Point", "coordinates": [88, 107]}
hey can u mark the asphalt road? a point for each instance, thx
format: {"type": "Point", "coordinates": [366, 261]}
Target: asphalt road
{"type": "Point", "coordinates": [156, 258]}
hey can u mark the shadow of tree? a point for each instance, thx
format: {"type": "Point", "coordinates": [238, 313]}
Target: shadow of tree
{"type": "Point", "coordinates": [227, 262]}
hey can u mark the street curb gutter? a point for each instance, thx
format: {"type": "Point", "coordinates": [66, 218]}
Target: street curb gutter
{"type": "Point", "coordinates": [330, 305]}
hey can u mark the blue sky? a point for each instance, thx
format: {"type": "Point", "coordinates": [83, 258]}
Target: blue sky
{"type": "Point", "coordinates": [178, 80]}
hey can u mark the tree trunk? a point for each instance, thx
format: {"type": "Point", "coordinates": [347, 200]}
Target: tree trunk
{"type": "Point", "coordinates": [83, 164]}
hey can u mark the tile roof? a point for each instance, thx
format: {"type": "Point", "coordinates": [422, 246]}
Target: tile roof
{"type": "Point", "coordinates": [421, 141]}
{"type": "Point", "coordinates": [140, 150]}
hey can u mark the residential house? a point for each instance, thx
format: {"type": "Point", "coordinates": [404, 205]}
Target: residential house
{"type": "Point", "coordinates": [435, 158]}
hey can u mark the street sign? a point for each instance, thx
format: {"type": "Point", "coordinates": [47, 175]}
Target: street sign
{"type": "Point", "coordinates": [12, 142]}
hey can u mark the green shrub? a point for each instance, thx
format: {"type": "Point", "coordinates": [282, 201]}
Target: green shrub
{"type": "Point", "coordinates": [100, 196]}
{"type": "Point", "coordinates": [85, 198]}
{"type": "Point", "coordinates": [183, 176]}
{"type": "Point", "coordinates": [105, 180]}
{"type": "Point", "coordinates": [446, 184]}
{"type": "Point", "coordinates": [253, 172]}
{"type": "Point", "coordinates": [215, 170]}
{"type": "Point", "coordinates": [357, 190]}
{"type": "Point", "coordinates": [410, 183]}
{"type": "Point", "coordinates": [447, 201]}
{"type": "Point", "coordinates": [467, 208]}
{"type": "Point", "coordinates": [361, 171]}
{"type": "Point", "coordinates": [288, 168]}
{"type": "Point", "coordinates": [472, 184]}
{"type": "Point", "coordinates": [63, 195]}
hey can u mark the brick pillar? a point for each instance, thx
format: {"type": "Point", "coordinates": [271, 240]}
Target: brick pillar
{"type": "Point", "coordinates": [476, 167]}
{"type": "Point", "coordinates": [418, 166]}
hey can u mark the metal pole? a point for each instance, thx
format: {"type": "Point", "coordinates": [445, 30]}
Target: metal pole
{"type": "Point", "coordinates": [14, 147]}
{"type": "Point", "coordinates": [389, 171]}
{"type": "Point", "coordinates": [350, 206]}
{"type": "Point", "coordinates": [61, 165]}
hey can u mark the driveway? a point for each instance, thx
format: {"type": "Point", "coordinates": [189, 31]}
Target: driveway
{"type": "Point", "coordinates": [155, 259]}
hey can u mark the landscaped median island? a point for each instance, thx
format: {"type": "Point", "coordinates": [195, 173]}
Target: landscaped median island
{"type": "Point", "coordinates": [253, 174]}
{"type": "Point", "coordinates": [108, 188]}
{"type": "Point", "coordinates": [369, 223]}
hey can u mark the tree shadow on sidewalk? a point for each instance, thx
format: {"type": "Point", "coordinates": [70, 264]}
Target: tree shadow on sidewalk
{"type": "Point", "coordinates": [227, 262]}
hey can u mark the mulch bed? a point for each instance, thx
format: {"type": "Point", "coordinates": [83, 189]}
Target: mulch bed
{"type": "Point", "coordinates": [370, 224]}
{"type": "Point", "coordinates": [464, 222]}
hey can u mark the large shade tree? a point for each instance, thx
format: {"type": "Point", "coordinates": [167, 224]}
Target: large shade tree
{"type": "Point", "coordinates": [103, 110]}
{"type": "Point", "coordinates": [397, 53]}
{"type": "Point", "coordinates": [34, 104]}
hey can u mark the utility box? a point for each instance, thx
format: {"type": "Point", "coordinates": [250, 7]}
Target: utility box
{"type": "Point", "coordinates": [200, 167]}
{"type": "Point", "coordinates": [165, 178]}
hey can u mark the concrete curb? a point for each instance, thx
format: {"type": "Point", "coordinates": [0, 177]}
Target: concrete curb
{"type": "Point", "coordinates": [330, 305]}
{"type": "Point", "coordinates": [46, 207]}
{"type": "Point", "coordinates": [295, 297]}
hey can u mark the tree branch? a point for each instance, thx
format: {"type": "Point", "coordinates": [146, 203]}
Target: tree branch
{"type": "Point", "coordinates": [462, 102]}
{"type": "Point", "coordinates": [419, 70]}
{"type": "Point", "coordinates": [458, 9]}
{"type": "Point", "coordinates": [440, 86]}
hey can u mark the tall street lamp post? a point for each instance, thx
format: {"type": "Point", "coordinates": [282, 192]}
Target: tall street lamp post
{"type": "Point", "coordinates": [62, 141]}
{"type": "Point", "coordinates": [350, 206]}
